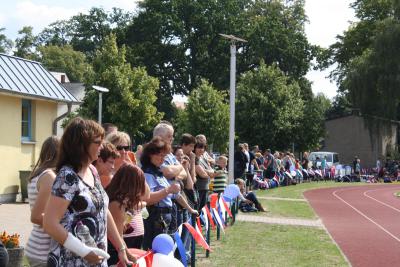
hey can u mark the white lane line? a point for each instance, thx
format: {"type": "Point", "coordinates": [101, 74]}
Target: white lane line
{"type": "Point", "coordinates": [365, 216]}
{"type": "Point", "coordinates": [381, 202]}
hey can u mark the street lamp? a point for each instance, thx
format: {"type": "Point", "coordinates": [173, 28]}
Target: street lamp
{"type": "Point", "coordinates": [232, 93]}
{"type": "Point", "coordinates": [101, 90]}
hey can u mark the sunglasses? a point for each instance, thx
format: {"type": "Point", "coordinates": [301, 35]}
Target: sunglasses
{"type": "Point", "coordinates": [123, 148]}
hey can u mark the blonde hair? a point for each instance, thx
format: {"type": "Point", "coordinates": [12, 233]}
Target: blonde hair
{"type": "Point", "coordinates": [239, 181]}
{"type": "Point", "coordinates": [118, 138]}
{"type": "Point", "coordinates": [162, 129]}
{"type": "Point", "coordinates": [222, 158]}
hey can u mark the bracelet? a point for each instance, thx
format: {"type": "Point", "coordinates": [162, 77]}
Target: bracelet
{"type": "Point", "coordinates": [122, 248]}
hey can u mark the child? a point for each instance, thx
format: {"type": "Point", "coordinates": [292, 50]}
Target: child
{"type": "Point", "coordinates": [248, 199]}
{"type": "Point", "coordinates": [221, 175]}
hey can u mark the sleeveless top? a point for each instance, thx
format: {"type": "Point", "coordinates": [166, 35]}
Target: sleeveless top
{"type": "Point", "coordinates": [38, 244]}
{"type": "Point", "coordinates": [88, 205]}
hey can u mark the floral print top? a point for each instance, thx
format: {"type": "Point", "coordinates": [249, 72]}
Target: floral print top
{"type": "Point", "coordinates": [88, 205]}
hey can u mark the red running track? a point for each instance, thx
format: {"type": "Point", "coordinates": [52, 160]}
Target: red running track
{"type": "Point", "coordinates": [363, 220]}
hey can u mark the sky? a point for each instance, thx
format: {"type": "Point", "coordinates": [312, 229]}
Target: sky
{"type": "Point", "coordinates": [327, 19]}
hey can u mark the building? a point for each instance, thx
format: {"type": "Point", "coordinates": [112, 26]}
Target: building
{"type": "Point", "coordinates": [349, 136]}
{"type": "Point", "coordinates": [76, 89]}
{"type": "Point", "coordinates": [29, 97]}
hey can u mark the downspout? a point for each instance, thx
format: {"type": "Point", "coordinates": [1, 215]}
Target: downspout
{"type": "Point", "coordinates": [62, 116]}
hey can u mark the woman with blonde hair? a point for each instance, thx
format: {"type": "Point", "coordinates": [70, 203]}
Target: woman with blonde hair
{"type": "Point", "coordinates": [39, 188]}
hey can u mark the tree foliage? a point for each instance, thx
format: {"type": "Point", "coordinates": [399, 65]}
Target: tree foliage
{"type": "Point", "coordinates": [269, 108]}
{"type": "Point", "coordinates": [65, 59]}
{"type": "Point", "coordinates": [5, 43]}
{"type": "Point", "coordinates": [367, 58]}
{"type": "Point", "coordinates": [25, 43]}
{"type": "Point", "coordinates": [130, 102]}
{"type": "Point", "coordinates": [179, 42]}
{"type": "Point", "coordinates": [206, 113]}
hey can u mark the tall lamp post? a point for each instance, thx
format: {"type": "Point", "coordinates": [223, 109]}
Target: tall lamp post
{"type": "Point", "coordinates": [232, 94]}
{"type": "Point", "coordinates": [101, 90]}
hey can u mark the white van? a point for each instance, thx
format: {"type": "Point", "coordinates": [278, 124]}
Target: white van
{"type": "Point", "coordinates": [332, 158]}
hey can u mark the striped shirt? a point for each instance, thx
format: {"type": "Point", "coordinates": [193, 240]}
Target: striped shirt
{"type": "Point", "coordinates": [38, 245]}
{"type": "Point", "coordinates": [136, 224]}
{"type": "Point", "coordinates": [220, 181]}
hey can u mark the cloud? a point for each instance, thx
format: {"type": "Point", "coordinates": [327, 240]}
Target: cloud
{"type": "Point", "coordinates": [41, 15]}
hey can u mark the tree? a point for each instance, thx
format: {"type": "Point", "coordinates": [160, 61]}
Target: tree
{"type": "Point", "coordinates": [269, 108]}
{"type": "Point", "coordinates": [130, 102]}
{"type": "Point", "coordinates": [206, 113]}
{"type": "Point", "coordinates": [179, 42]}
{"type": "Point", "coordinates": [57, 33]}
{"type": "Point", "coordinates": [65, 59]}
{"type": "Point", "coordinates": [5, 43]}
{"type": "Point", "coordinates": [25, 43]}
{"type": "Point", "coordinates": [367, 57]}
{"type": "Point", "coordinates": [311, 129]}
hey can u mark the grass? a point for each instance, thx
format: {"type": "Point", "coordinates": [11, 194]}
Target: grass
{"type": "Point", "coordinates": [257, 244]}
{"type": "Point", "coordinates": [296, 191]}
{"type": "Point", "coordinates": [290, 209]}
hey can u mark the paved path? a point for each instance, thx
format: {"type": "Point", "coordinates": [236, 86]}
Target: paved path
{"type": "Point", "coordinates": [15, 218]}
{"type": "Point", "coordinates": [282, 198]}
{"type": "Point", "coordinates": [363, 220]}
{"type": "Point", "coordinates": [275, 220]}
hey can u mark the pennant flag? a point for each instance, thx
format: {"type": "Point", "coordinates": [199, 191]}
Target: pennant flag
{"type": "Point", "coordinates": [216, 216]}
{"type": "Point", "coordinates": [197, 236]}
{"type": "Point", "coordinates": [221, 215]}
{"type": "Point", "coordinates": [181, 248]}
{"type": "Point", "coordinates": [213, 200]}
{"type": "Point", "coordinates": [210, 219]}
{"type": "Point", "coordinates": [226, 206]}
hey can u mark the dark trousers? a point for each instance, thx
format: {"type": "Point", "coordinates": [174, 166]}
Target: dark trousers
{"type": "Point", "coordinates": [253, 198]}
{"type": "Point", "coordinates": [3, 256]}
{"type": "Point", "coordinates": [157, 223]}
{"type": "Point", "coordinates": [203, 194]}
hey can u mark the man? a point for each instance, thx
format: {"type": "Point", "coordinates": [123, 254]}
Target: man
{"type": "Point", "coordinates": [269, 165]}
{"type": "Point", "coordinates": [171, 168]}
{"type": "Point", "coordinates": [109, 128]}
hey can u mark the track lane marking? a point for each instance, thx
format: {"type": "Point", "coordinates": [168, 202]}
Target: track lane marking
{"type": "Point", "coordinates": [381, 202]}
{"type": "Point", "coordinates": [365, 216]}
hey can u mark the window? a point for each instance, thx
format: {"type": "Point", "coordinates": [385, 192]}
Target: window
{"type": "Point", "coordinates": [26, 120]}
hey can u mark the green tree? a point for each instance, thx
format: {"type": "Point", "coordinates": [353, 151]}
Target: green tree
{"type": "Point", "coordinates": [179, 42]}
{"type": "Point", "coordinates": [65, 59]}
{"type": "Point", "coordinates": [5, 43]}
{"type": "Point", "coordinates": [25, 43]}
{"type": "Point", "coordinates": [269, 108]}
{"type": "Point", "coordinates": [312, 126]}
{"type": "Point", "coordinates": [57, 33]}
{"type": "Point", "coordinates": [206, 113]}
{"type": "Point", "coordinates": [130, 102]}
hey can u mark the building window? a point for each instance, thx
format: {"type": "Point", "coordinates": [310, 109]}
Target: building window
{"type": "Point", "coordinates": [26, 121]}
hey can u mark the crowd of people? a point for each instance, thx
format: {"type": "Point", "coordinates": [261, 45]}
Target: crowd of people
{"type": "Point", "coordinates": [92, 198]}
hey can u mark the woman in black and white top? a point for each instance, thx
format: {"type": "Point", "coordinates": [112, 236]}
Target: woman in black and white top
{"type": "Point", "coordinates": [39, 188]}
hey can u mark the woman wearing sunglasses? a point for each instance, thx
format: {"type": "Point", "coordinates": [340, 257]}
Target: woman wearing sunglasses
{"type": "Point", "coordinates": [134, 232]}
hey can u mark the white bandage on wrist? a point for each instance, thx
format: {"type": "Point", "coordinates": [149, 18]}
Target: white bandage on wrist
{"type": "Point", "coordinates": [74, 245]}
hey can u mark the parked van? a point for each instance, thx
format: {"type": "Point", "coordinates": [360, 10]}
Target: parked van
{"type": "Point", "coordinates": [332, 158]}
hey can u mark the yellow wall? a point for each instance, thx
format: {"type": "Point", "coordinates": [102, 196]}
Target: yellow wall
{"type": "Point", "coordinates": [16, 155]}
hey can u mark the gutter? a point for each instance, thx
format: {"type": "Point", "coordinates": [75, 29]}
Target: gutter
{"type": "Point", "coordinates": [62, 116]}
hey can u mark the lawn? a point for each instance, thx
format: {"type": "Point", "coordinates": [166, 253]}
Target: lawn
{"type": "Point", "coordinates": [296, 191]}
{"type": "Point", "coordinates": [257, 244]}
{"type": "Point", "coordinates": [290, 209]}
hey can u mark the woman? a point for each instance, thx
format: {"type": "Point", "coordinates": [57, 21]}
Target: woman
{"type": "Point", "coordinates": [126, 190]}
{"type": "Point", "coordinates": [122, 142]}
{"type": "Point", "coordinates": [39, 188]}
{"type": "Point", "coordinates": [133, 237]}
{"type": "Point", "coordinates": [106, 162]}
{"type": "Point", "coordinates": [204, 173]}
{"type": "Point", "coordinates": [77, 216]}
{"type": "Point", "coordinates": [161, 191]}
